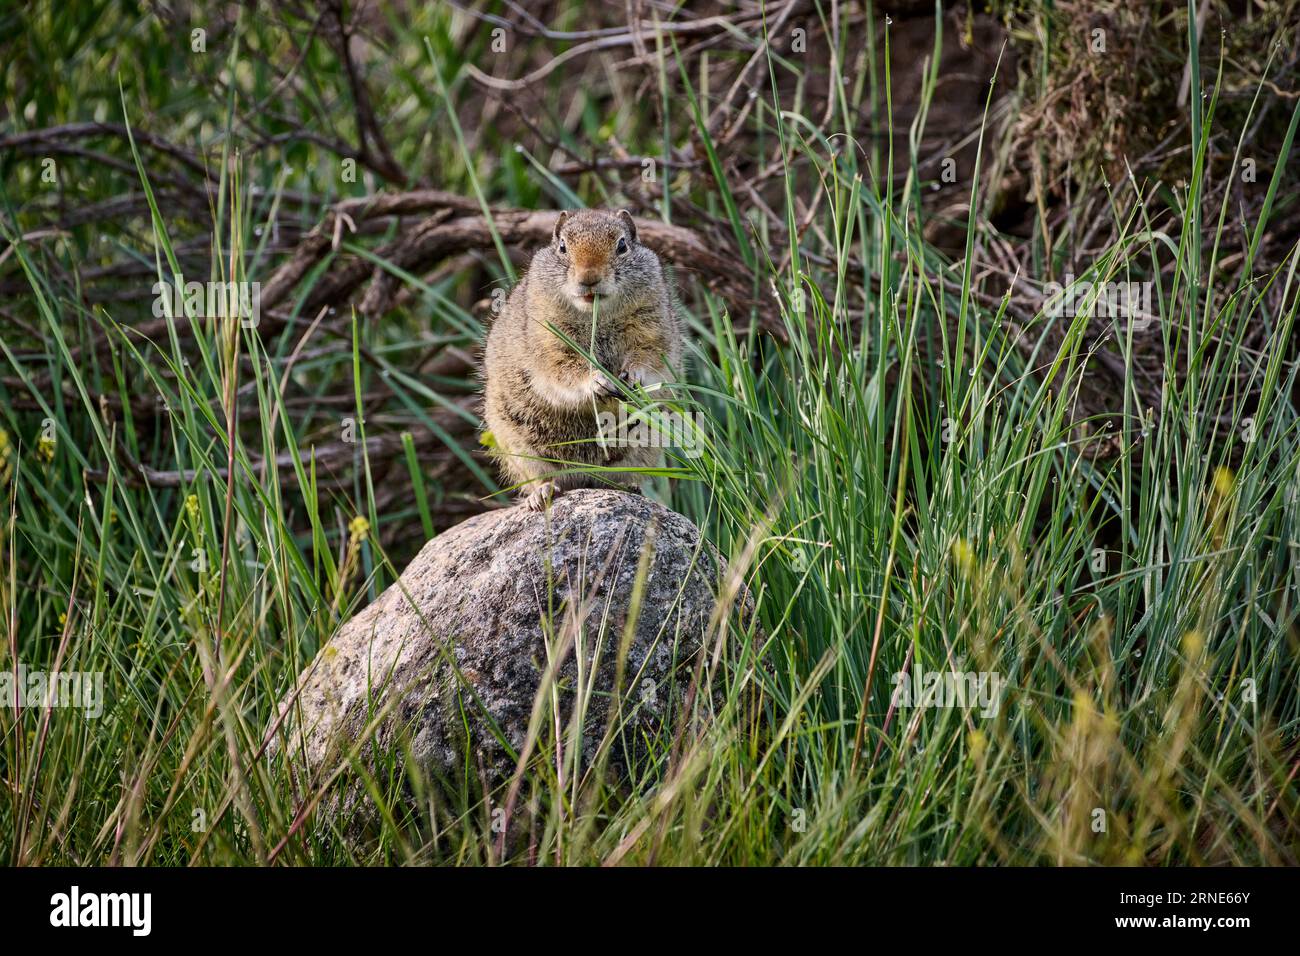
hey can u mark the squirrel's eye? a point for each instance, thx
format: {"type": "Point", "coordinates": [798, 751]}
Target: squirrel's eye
{"type": "Point", "coordinates": [562, 249]}
{"type": "Point", "coordinates": [622, 247]}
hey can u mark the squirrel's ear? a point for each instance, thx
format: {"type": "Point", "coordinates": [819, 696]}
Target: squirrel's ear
{"type": "Point", "coordinates": [559, 224]}
{"type": "Point", "coordinates": [626, 218]}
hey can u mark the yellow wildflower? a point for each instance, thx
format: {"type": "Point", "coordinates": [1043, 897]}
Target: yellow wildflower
{"type": "Point", "coordinates": [358, 529]}
{"type": "Point", "coordinates": [964, 555]}
{"type": "Point", "coordinates": [1223, 481]}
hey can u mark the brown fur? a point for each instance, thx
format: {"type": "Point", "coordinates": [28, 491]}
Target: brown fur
{"type": "Point", "coordinates": [541, 395]}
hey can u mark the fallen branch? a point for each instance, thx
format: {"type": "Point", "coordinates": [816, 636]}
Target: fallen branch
{"type": "Point", "coordinates": [453, 226]}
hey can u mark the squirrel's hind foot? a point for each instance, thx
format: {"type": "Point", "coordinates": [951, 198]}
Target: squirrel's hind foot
{"type": "Point", "coordinates": [541, 496]}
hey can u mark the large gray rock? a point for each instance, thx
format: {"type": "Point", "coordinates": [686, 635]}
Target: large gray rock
{"type": "Point", "coordinates": [463, 639]}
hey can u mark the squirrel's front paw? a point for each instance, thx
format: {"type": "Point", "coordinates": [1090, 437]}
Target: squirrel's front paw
{"type": "Point", "coordinates": [602, 386]}
{"type": "Point", "coordinates": [641, 375]}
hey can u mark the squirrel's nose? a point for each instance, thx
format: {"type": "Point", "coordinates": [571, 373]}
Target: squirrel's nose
{"type": "Point", "coordinates": [589, 279]}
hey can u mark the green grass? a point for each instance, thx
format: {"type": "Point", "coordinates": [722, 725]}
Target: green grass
{"type": "Point", "coordinates": [900, 484]}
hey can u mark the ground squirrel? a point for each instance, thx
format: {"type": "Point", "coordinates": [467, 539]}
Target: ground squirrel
{"type": "Point", "coordinates": [542, 397]}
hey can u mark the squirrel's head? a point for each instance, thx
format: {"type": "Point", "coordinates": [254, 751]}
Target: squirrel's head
{"type": "Point", "coordinates": [599, 255]}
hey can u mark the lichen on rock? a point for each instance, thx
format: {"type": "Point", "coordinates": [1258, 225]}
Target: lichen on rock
{"type": "Point", "coordinates": [448, 661]}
